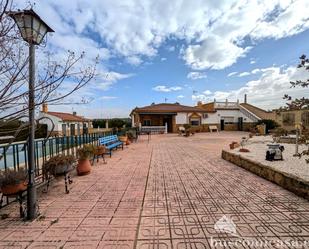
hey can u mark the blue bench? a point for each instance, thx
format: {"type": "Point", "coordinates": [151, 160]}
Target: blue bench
{"type": "Point", "coordinates": [110, 143]}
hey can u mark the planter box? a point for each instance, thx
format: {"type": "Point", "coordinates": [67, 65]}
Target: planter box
{"type": "Point", "coordinates": [298, 186]}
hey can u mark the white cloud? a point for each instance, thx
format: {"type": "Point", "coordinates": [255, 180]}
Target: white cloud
{"type": "Point", "coordinates": [162, 88]}
{"type": "Point", "coordinates": [207, 92]}
{"type": "Point", "coordinates": [108, 97]}
{"type": "Point", "coordinates": [213, 31]}
{"type": "Point", "coordinates": [196, 75]}
{"type": "Point", "coordinates": [267, 90]}
{"type": "Point", "coordinates": [243, 74]}
{"type": "Point", "coordinates": [255, 71]}
{"type": "Point", "coordinates": [180, 96]}
{"type": "Point", "coordinates": [170, 48]}
{"type": "Point", "coordinates": [222, 54]}
{"type": "Point", "coordinates": [232, 74]}
{"type": "Point", "coordinates": [163, 59]}
{"type": "Point", "coordinates": [134, 60]}
{"type": "Point", "coordinates": [105, 80]}
{"type": "Point", "coordinates": [252, 61]}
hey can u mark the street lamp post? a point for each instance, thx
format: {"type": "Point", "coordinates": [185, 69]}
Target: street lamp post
{"type": "Point", "coordinates": [32, 29]}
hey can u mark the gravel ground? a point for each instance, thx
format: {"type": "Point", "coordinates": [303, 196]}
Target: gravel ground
{"type": "Point", "coordinates": [291, 165]}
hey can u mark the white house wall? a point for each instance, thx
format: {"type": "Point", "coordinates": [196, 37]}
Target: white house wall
{"type": "Point", "coordinates": [58, 123]}
{"type": "Point", "coordinates": [211, 119]}
{"type": "Point", "coordinates": [54, 119]}
{"type": "Point", "coordinates": [181, 118]}
{"type": "Point", "coordinates": [214, 118]}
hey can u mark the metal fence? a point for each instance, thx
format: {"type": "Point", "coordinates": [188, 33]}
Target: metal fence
{"type": "Point", "coordinates": [14, 156]}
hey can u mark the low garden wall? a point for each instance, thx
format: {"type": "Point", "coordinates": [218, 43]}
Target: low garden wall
{"type": "Point", "coordinates": [290, 182]}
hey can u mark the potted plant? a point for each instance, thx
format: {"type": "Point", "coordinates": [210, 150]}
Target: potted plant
{"type": "Point", "coordinates": [84, 154]}
{"type": "Point", "coordinates": [123, 139]}
{"type": "Point", "coordinates": [234, 145]}
{"type": "Point", "coordinates": [13, 181]}
{"type": "Point", "coordinates": [58, 165]}
{"type": "Point", "coordinates": [187, 129]}
{"type": "Point", "coordinates": [130, 136]}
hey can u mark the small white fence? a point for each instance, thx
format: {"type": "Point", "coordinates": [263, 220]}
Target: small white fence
{"type": "Point", "coordinates": [154, 129]}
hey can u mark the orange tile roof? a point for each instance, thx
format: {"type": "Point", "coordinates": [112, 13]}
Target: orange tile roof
{"type": "Point", "coordinates": [167, 107]}
{"type": "Point", "coordinates": [68, 116]}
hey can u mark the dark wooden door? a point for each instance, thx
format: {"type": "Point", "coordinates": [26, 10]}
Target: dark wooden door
{"type": "Point", "coordinates": [222, 124]}
{"type": "Point", "coordinates": [72, 129]}
{"type": "Point", "coordinates": [240, 124]}
{"type": "Point", "coordinates": [169, 124]}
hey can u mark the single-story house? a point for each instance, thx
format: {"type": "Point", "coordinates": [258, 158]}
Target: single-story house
{"type": "Point", "coordinates": [226, 115]}
{"type": "Point", "coordinates": [65, 124]}
{"type": "Point", "coordinates": [172, 115]}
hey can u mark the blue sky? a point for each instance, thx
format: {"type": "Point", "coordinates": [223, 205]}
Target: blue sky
{"type": "Point", "coordinates": [181, 51]}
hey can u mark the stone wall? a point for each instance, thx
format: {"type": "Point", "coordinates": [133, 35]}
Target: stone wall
{"type": "Point", "coordinates": [231, 127]}
{"type": "Point", "coordinates": [285, 180]}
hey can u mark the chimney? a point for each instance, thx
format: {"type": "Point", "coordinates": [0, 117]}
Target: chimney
{"type": "Point", "coordinates": [74, 113]}
{"type": "Point", "coordinates": [226, 102]}
{"type": "Point", "coordinates": [215, 101]}
{"type": "Point", "coordinates": [199, 103]}
{"type": "Point", "coordinates": [245, 100]}
{"type": "Point", "coordinates": [44, 108]}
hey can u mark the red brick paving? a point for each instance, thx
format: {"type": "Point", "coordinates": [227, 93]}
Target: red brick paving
{"type": "Point", "coordinates": [167, 193]}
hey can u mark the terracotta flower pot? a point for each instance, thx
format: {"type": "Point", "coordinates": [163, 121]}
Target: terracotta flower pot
{"type": "Point", "coordinates": [128, 142]}
{"type": "Point", "coordinates": [244, 150]}
{"type": "Point", "coordinates": [123, 139]}
{"type": "Point", "coordinates": [13, 189]}
{"type": "Point", "coordinates": [83, 167]}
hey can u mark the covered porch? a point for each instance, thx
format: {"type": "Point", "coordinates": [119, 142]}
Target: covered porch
{"type": "Point", "coordinates": [166, 120]}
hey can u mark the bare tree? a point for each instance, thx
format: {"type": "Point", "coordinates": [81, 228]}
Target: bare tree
{"type": "Point", "coordinates": [301, 103]}
{"type": "Point", "coordinates": [52, 76]}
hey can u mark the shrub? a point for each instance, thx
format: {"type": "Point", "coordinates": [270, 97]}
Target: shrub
{"type": "Point", "coordinates": [57, 164]}
{"type": "Point", "coordinates": [86, 152]}
{"type": "Point", "coordinates": [278, 132]}
{"type": "Point", "coordinates": [187, 126]}
{"type": "Point", "coordinates": [12, 177]}
{"type": "Point", "coordinates": [270, 124]}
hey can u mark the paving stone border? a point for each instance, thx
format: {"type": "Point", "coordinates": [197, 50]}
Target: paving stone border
{"type": "Point", "coordinates": [290, 182]}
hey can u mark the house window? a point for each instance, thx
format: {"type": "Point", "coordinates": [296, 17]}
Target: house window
{"type": "Point", "coordinates": [228, 120]}
{"type": "Point", "coordinates": [147, 122]}
{"type": "Point", "coordinates": [205, 115]}
{"type": "Point", "coordinates": [305, 118]}
{"type": "Point", "coordinates": [288, 119]}
{"type": "Point", "coordinates": [64, 129]}
{"type": "Point", "coordinates": [195, 121]}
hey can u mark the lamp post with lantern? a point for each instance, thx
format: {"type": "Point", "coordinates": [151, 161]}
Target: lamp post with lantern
{"type": "Point", "coordinates": [33, 30]}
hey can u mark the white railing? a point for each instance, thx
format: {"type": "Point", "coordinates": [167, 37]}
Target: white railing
{"type": "Point", "coordinates": [154, 129]}
{"type": "Point", "coordinates": [248, 114]}
{"type": "Point", "coordinates": [226, 105]}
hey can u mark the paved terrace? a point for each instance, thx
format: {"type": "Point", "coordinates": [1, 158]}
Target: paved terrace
{"type": "Point", "coordinates": [165, 194]}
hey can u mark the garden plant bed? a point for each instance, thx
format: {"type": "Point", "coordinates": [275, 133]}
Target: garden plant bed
{"type": "Point", "coordinates": [292, 173]}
